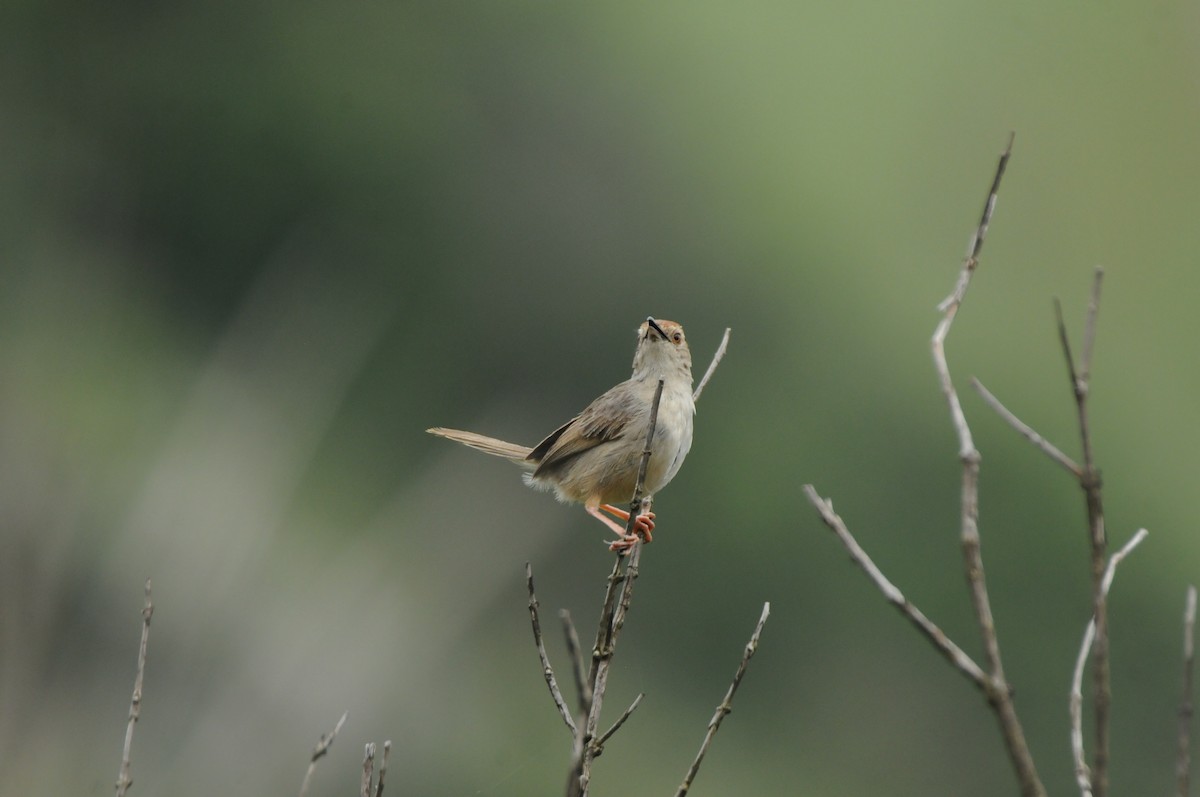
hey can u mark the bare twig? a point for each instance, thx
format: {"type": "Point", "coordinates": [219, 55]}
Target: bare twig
{"type": "Point", "coordinates": [949, 306]}
{"type": "Point", "coordinates": [997, 689]}
{"type": "Point", "coordinates": [612, 619]}
{"type": "Point", "coordinates": [372, 785]}
{"type": "Point", "coordinates": [575, 651]}
{"type": "Point", "coordinates": [547, 670]}
{"type": "Point", "coordinates": [1090, 482]}
{"type": "Point", "coordinates": [1082, 774]}
{"type": "Point", "coordinates": [953, 653]}
{"type": "Point", "coordinates": [616, 726]}
{"type": "Point", "coordinates": [1088, 477]}
{"type": "Point", "coordinates": [950, 303]}
{"type": "Point", "coordinates": [124, 774]}
{"type": "Point", "coordinates": [601, 648]}
{"type": "Point", "coordinates": [616, 604]}
{"type": "Point", "coordinates": [712, 366]}
{"type": "Point", "coordinates": [1026, 431]}
{"type": "Point", "coordinates": [726, 705]}
{"type": "Point", "coordinates": [1183, 763]}
{"type": "Point", "coordinates": [323, 745]}
{"type": "Point", "coordinates": [632, 568]}
{"type": "Point", "coordinates": [1065, 342]}
{"type": "Point", "coordinates": [387, 748]}
{"type": "Point", "coordinates": [368, 771]}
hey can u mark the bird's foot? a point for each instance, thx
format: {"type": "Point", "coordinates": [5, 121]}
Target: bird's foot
{"type": "Point", "coordinates": [624, 545]}
{"type": "Point", "coordinates": [643, 524]}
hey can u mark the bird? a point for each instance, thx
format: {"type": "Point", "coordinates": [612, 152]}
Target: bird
{"type": "Point", "coordinates": [593, 459]}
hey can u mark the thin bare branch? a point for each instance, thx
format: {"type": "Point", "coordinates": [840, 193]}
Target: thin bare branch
{"type": "Point", "coordinates": [125, 774]}
{"type": "Point", "coordinates": [601, 649]}
{"type": "Point", "coordinates": [1065, 341]}
{"type": "Point", "coordinates": [976, 244]}
{"type": "Point", "coordinates": [1080, 386]}
{"type": "Point", "coordinates": [1083, 776]}
{"type": "Point", "coordinates": [632, 568]}
{"type": "Point", "coordinates": [998, 691]}
{"type": "Point", "coordinates": [1090, 483]}
{"type": "Point", "coordinates": [387, 748]}
{"type": "Point", "coordinates": [616, 605]}
{"type": "Point", "coordinates": [616, 726]}
{"type": "Point", "coordinates": [323, 745]}
{"type": "Point", "coordinates": [726, 704]}
{"type": "Point", "coordinates": [368, 771]}
{"type": "Point", "coordinates": [547, 670]}
{"type": "Point", "coordinates": [949, 308]}
{"type": "Point", "coordinates": [583, 690]}
{"type": "Point", "coordinates": [952, 652]}
{"type": "Point", "coordinates": [1025, 430]}
{"type": "Point", "coordinates": [612, 618]}
{"type": "Point", "coordinates": [1183, 761]}
{"type": "Point", "coordinates": [712, 366]}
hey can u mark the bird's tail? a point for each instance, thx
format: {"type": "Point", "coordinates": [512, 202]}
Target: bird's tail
{"type": "Point", "coordinates": [488, 445]}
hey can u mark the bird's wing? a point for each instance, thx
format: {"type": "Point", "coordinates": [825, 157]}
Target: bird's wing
{"type": "Point", "coordinates": [603, 421]}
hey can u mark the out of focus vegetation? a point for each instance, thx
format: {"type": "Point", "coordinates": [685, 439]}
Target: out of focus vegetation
{"type": "Point", "coordinates": [250, 251]}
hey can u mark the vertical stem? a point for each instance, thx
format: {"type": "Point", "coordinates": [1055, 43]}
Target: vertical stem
{"type": "Point", "coordinates": [1080, 378]}
{"type": "Point", "coordinates": [124, 776]}
{"type": "Point", "coordinates": [612, 619]}
{"type": "Point", "coordinates": [997, 688]}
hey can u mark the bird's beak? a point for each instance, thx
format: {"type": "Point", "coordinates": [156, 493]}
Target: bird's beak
{"type": "Point", "coordinates": [652, 324]}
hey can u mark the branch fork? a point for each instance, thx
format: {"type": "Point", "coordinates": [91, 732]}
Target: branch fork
{"type": "Point", "coordinates": [991, 680]}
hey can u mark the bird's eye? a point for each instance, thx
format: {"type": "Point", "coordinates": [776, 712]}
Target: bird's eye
{"type": "Point", "coordinates": [678, 336]}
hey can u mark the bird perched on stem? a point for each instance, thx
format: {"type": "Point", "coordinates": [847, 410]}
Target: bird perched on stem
{"type": "Point", "coordinates": [593, 459]}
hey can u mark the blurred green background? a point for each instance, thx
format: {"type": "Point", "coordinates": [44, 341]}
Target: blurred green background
{"type": "Point", "coordinates": [252, 250]}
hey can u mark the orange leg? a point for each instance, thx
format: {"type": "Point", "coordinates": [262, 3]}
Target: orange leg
{"type": "Point", "coordinates": [625, 542]}
{"type": "Point", "coordinates": [643, 524]}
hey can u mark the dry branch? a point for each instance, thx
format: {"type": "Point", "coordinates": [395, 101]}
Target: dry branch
{"type": "Point", "coordinates": [953, 653]}
{"type": "Point", "coordinates": [547, 670]}
{"type": "Point", "coordinates": [387, 748]}
{"type": "Point", "coordinates": [991, 681]}
{"type": "Point", "coordinates": [124, 774]}
{"type": "Point", "coordinates": [712, 366]}
{"type": "Point", "coordinates": [368, 771]}
{"type": "Point", "coordinates": [371, 784]}
{"type": "Point", "coordinates": [1089, 481]}
{"type": "Point", "coordinates": [726, 704]}
{"type": "Point", "coordinates": [1082, 776]}
{"type": "Point", "coordinates": [616, 726]}
{"type": "Point", "coordinates": [998, 691]}
{"type": "Point", "coordinates": [323, 745]}
{"type": "Point", "coordinates": [1026, 431]}
{"type": "Point", "coordinates": [583, 691]}
{"type": "Point", "coordinates": [1088, 477]}
{"type": "Point", "coordinates": [612, 619]}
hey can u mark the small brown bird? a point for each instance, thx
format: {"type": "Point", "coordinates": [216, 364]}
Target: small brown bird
{"type": "Point", "coordinates": [593, 459]}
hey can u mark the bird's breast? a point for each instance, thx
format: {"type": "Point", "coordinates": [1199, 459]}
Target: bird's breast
{"type": "Point", "coordinates": [672, 437]}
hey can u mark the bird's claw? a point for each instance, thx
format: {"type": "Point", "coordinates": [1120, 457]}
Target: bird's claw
{"type": "Point", "coordinates": [624, 545]}
{"type": "Point", "coordinates": [643, 525]}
